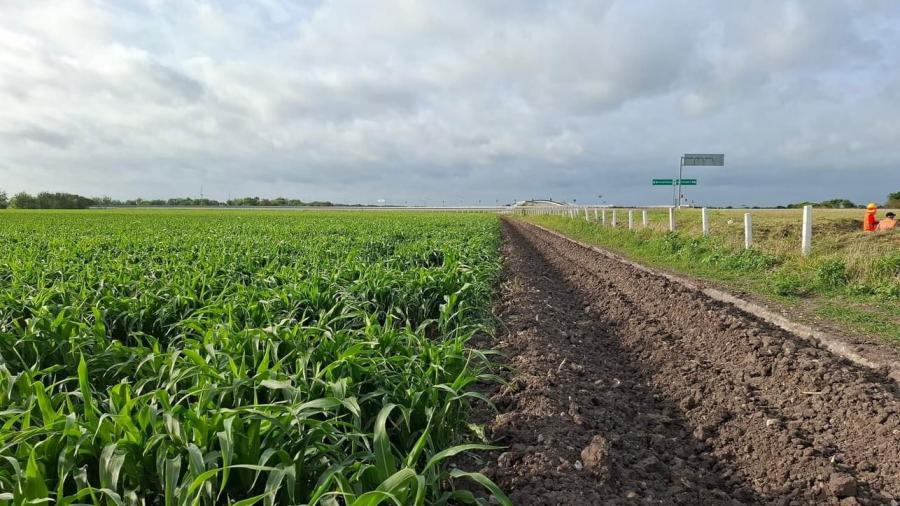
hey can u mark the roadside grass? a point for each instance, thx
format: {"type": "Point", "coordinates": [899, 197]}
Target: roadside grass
{"type": "Point", "coordinates": [852, 278]}
{"type": "Point", "coordinates": [870, 320]}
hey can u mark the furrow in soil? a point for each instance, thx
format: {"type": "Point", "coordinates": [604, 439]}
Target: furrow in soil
{"type": "Point", "coordinates": [627, 388]}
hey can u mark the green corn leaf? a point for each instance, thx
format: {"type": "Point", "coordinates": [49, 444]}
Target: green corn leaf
{"type": "Point", "coordinates": [395, 488]}
{"type": "Point", "coordinates": [111, 462]}
{"type": "Point", "coordinates": [201, 480]}
{"type": "Point", "coordinates": [172, 474]}
{"type": "Point", "coordinates": [48, 414]}
{"type": "Point", "coordinates": [251, 501]}
{"type": "Point", "coordinates": [385, 465]}
{"type": "Point", "coordinates": [35, 488]}
{"type": "Point", "coordinates": [226, 447]}
{"type": "Point", "coordinates": [273, 485]}
{"type": "Point", "coordinates": [485, 482]}
{"type": "Point", "coordinates": [449, 452]}
{"type": "Point", "coordinates": [84, 385]}
{"type": "Point", "coordinates": [417, 448]}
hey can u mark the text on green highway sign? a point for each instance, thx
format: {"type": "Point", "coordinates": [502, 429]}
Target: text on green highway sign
{"type": "Point", "coordinates": [671, 182]}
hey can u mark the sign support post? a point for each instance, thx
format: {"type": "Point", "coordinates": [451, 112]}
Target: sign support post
{"type": "Point", "coordinates": [693, 160]}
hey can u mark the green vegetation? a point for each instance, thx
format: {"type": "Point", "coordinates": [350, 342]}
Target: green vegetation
{"type": "Point", "coordinates": [200, 357]}
{"type": "Point", "coordinates": [848, 267]}
{"type": "Point", "coordinates": [192, 202]}
{"type": "Point", "coordinates": [45, 200]}
{"type": "Point", "coordinates": [893, 200]}
{"type": "Point", "coordinates": [826, 204]}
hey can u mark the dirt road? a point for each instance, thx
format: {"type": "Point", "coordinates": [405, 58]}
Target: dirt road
{"type": "Point", "coordinates": [629, 389]}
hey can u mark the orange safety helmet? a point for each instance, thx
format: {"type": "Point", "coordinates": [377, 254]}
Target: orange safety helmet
{"type": "Point", "coordinates": [871, 207]}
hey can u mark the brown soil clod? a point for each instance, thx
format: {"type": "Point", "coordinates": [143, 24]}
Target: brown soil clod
{"type": "Point", "coordinates": [627, 388]}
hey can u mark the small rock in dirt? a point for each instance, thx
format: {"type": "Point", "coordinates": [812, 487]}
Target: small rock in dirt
{"type": "Point", "coordinates": [574, 408]}
{"type": "Point", "coordinates": [772, 422]}
{"type": "Point", "coordinates": [564, 467]}
{"type": "Point", "coordinates": [578, 465]}
{"type": "Point", "coordinates": [652, 465]}
{"type": "Point", "coordinates": [865, 467]}
{"type": "Point", "coordinates": [842, 485]}
{"type": "Point", "coordinates": [703, 432]}
{"type": "Point", "coordinates": [506, 459]}
{"type": "Point", "coordinates": [688, 403]}
{"type": "Point", "coordinates": [594, 454]}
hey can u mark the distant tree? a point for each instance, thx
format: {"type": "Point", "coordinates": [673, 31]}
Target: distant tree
{"type": "Point", "coordinates": [4, 201]}
{"type": "Point", "coordinates": [837, 204]}
{"type": "Point", "coordinates": [893, 200]}
{"type": "Point", "coordinates": [22, 200]}
{"type": "Point", "coordinates": [827, 204]}
{"type": "Point", "coordinates": [798, 205]}
{"type": "Point", "coordinates": [46, 200]}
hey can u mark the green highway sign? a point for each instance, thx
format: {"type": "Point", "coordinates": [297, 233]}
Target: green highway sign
{"type": "Point", "coordinates": [671, 182]}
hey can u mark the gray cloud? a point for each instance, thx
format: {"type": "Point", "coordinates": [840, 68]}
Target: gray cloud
{"type": "Point", "coordinates": [450, 101]}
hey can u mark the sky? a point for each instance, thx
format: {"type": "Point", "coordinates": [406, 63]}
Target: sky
{"type": "Point", "coordinates": [454, 102]}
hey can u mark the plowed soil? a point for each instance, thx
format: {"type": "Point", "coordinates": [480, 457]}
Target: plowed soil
{"type": "Point", "coordinates": [625, 388]}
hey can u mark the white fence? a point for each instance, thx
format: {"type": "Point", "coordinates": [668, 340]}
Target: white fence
{"type": "Point", "coordinates": [600, 216]}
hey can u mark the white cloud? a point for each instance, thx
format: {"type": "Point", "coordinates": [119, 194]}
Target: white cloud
{"type": "Point", "coordinates": [477, 100]}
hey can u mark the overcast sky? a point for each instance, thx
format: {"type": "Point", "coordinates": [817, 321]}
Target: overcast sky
{"type": "Point", "coordinates": [455, 101]}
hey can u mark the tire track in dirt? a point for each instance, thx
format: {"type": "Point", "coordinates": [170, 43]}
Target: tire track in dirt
{"type": "Point", "coordinates": [631, 389]}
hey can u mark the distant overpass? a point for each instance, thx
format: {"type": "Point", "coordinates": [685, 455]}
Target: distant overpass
{"type": "Point", "coordinates": [540, 203]}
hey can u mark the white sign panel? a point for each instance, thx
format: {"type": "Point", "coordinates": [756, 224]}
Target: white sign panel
{"type": "Point", "coordinates": [717, 159]}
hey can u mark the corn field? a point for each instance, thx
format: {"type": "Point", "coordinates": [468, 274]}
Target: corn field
{"type": "Point", "coordinates": [159, 357]}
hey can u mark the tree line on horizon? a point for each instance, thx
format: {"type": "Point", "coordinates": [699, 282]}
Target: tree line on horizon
{"type": "Point", "coordinates": [48, 200]}
{"type": "Point", "coordinates": [893, 201]}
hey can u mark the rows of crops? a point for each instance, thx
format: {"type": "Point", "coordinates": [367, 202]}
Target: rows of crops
{"type": "Point", "coordinates": [240, 357]}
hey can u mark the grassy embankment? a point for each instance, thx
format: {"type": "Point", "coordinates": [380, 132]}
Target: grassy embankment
{"type": "Point", "coordinates": [851, 279]}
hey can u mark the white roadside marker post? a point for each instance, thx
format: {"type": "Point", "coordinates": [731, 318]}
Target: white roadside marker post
{"type": "Point", "coordinates": [586, 215]}
{"type": "Point", "coordinates": [748, 231]}
{"type": "Point", "coordinates": [644, 218]}
{"type": "Point", "coordinates": [704, 213]}
{"type": "Point", "coordinates": [614, 219]}
{"type": "Point", "coordinates": [595, 215]}
{"type": "Point", "coordinates": [806, 236]}
{"type": "Point", "coordinates": [631, 219]}
{"type": "Point", "coordinates": [603, 217]}
{"type": "Point", "coordinates": [671, 219]}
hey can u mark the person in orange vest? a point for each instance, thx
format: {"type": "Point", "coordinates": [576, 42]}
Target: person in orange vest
{"type": "Point", "coordinates": [870, 222]}
{"type": "Point", "coordinates": [888, 223]}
